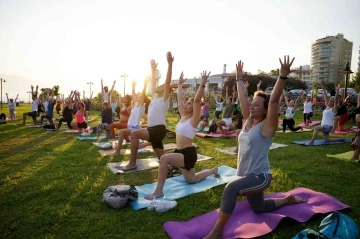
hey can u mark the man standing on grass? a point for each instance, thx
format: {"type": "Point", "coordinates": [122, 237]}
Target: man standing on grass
{"type": "Point", "coordinates": [156, 130]}
{"type": "Point", "coordinates": [34, 105]}
{"type": "Point", "coordinates": [12, 105]}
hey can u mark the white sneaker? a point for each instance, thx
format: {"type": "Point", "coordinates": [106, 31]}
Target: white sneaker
{"type": "Point", "coordinates": [161, 205]}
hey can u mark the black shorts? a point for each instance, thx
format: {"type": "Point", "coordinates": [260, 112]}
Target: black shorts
{"type": "Point", "coordinates": [190, 157]}
{"type": "Point", "coordinates": [156, 135]}
{"type": "Point", "coordinates": [33, 114]}
{"type": "Point", "coordinates": [82, 125]}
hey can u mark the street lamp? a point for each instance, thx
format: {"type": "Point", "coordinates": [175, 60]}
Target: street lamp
{"type": "Point", "coordinates": [1, 80]}
{"type": "Point", "coordinates": [347, 72]}
{"type": "Point", "coordinates": [29, 92]}
{"type": "Point", "coordinates": [124, 76]}
{"type": "Point", "coordinates": [90, 83]}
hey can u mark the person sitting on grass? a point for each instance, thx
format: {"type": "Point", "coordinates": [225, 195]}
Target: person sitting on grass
{"type": "Point", "coordinates": [202, 124]}
{"type": "Point", "coordinates": [290, 113]}
{"type": "Point", "coordinates": [34, 106]}
{"type": "Point", "coordinates": [12, 106]}
{"type": "Point", "coordinates": [327, 118]}
{"type": "Point", "coordinates": [50, 107]}
{"type": "Point", "coordinates": [261, 122]}
{"type": "Point", "coordinates": [136, 114]}
{"type": "Point", "coordinates": [156, 120]}
{"type": "Point", "coordinates": [106, 120]}
{"type": "Point", "coordinates": [80, 113]}
{"type": "Point", "coordinates": [185, 155]}
{"type": "Point", "coordinates": [228, 111]}
{"type": "Point", "coordinates": [67, 115]}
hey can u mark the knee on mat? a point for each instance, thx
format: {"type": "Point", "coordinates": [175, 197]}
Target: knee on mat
{"type": "Point", "coordinates": [259, 210]}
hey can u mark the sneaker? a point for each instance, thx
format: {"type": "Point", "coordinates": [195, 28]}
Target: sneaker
{"type": "Point", "coordinates": [161, 205]}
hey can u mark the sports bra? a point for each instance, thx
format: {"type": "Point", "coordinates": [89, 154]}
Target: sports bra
{"type": "Point", "coordinates": [79, 117]}
{"type": "Point", "coordinates": [125, 113]}
{"type": "Point", "coordinates": [184, 128]}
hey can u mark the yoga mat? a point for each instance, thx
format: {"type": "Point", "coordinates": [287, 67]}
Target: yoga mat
{"type": "Point", "coordinates": [81, 138]}
{"type": "Point", "coordinates": [106, 145]}
{"type": "Point", "coordinates": [244, 223]}
{"type": "Point", "coordinates": [143, 164]}
{"type": "Point", "coordinates": [315, 122]}
{"type": "Point", "coordinates": [318, 142]}
{"type": "Point", "coordinates": [232, 149]}
{"type": "Point", "coordinates": [345, 156]}
{"type": "Point", "coordinates": [8, 119]}
{"type": "Point", "coordinates": [35, 126]}
{"type": "Point", "coordinates": [346, 131]}
{"type": "Point", "coordinates": [299, 131]}
{"type": "Point", "coordinates": [142, 150]}
{"type": "Point", "coordinates": [72, 131]}
{"type": "Point", "coordinates": [177, 187]}
{"type": "Point", "coordinates": [211, 135]}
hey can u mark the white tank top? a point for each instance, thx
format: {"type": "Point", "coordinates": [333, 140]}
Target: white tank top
{"type": "Point", "coordinates": [184, 128]}
{"type": "Point", "coordinates": [307, 107]}
{"type": "Point", "coordinates": [106, 96]}
{"type": "Point", "coordinates": [328, 117]}
{"type": "Point", "coordinates": [289, 112]}
{"type": "Point", "coordinates": [135, 116]}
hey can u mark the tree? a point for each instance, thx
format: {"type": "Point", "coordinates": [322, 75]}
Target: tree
{"type": "Point", "coordinates": [43, 91]}
{"type": "Point", "coordinates": [275, 72]}
{"type": "Point", "coordinates": [355, 81]}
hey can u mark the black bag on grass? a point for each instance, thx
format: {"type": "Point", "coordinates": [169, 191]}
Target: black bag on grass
{"type": "Point", "coordinates": [119, 195]}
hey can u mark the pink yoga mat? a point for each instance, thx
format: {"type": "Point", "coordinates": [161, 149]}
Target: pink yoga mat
{"type": "Point", "coordinates": [315, 122]}
{"type": "Point", "coordinates": [214, 135]}
{"type": "Point", "coordinates": [244, 223]}
{"type": "Point", "coordinates": [346, 131]}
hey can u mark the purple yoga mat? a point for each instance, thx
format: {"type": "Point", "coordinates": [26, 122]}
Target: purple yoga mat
{"type": "Point", "coordinates": [244, 223]}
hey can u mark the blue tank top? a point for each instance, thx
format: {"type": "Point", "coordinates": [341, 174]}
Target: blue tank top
{"type": "Point", "coordinates": [253, 151]}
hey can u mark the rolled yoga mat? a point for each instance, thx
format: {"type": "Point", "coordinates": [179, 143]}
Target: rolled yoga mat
{"type": "Point", "coordinates": [244, 223]}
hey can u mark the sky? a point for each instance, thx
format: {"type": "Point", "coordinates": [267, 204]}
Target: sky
{"type": "Point", "coordinates": [72, 43]}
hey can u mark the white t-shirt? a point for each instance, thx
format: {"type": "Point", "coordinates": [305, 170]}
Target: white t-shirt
{"type": "Point", "coordinates": [34, 105]}
{"type": "Point", "coordinates": [328, 117]}
{"type": "Point", "coordinates": [11, 105]}
{"type": "Point", "coordinates": [135, 116]}
{"type": "Point", "coordinates": [307, 107]}
{"type": "Point", "coordinates": [157, 111]}
{"type": "Point", "coordinates": [106, 96]}
{"type": "Point", "coordinates": [289, 113]}
{"type": "Point", "coordinates": [46, 105]}
{"type": "Point", "coordinates": [175, 105]}
{"type": "Point", "coordinates": [219, 106]}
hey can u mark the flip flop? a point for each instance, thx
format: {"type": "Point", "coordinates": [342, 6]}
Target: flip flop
{"type": "Point", "coordinates": [124, 168]}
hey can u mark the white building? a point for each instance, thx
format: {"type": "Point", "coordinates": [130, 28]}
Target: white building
{"type": "Point", "coordinates": [301, 73]}
{"type": "Point", "coordinates": [358, 68]}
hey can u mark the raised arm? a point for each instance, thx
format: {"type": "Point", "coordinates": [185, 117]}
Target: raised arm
{"type": "Point", "coordinates": [102, 91]}
{"type": "Point", "coordinates": [47, 94]}
{"type": "Point", "coordinates": [286, 98]}
{"type": "Point", "coordinates": [180, 97]}
{"type": "Point", "coordinates": [258, 87]}
{"type": "Point", "coordinates": [143, 93]}
{"type": "Point", "coordinates": [16, 97]}
{"type": "Point", "coordinates": [270, 123]}
{"type": "Point", "coordinates": [324, 95]}
{"type": "Point", "coordinates": [7, 97]}
{"type": "Point", "coordinates": [242, 90]}
{"type": "Point", "coordinates": [71, 104]}
{"type": "Point", "coordinates": [112, 88]}
{"type": "Point", "coordinates": [153, 76]}
{"type": "Point", "coordinates": [170, 60]}
{"type": "Point", "coordinates": [297, 99]}
{"type": "Point", "coordinates": [195, 119]}
{"type": "Point", "coordinates": [336, 103]}
{"type": "Point", "coordinates": [37, 91]}
{"type": "Point", "coordinates": [133, 93]}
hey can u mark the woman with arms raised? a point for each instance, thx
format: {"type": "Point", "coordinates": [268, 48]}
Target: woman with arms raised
{"type": "Point", "coordinates": [185, 155]}
{"type": "Point", "coordinates": [261, 122]}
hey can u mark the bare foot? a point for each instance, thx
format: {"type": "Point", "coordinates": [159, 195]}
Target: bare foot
{"type": "Point", "coordinates": [127, 167]}
{"type": "Point", "coordinates": [154, 195]}
{"type": "Point", "coordinates": [115, 153]}
{"type": "Point", "coordinates": [292, 199]}
{"type": "Point", "coordinates": [215, 172]}
{"type": "Point", "coordinates": [213, 235]}
{"type": "Point", "coordinates": [310, 143]}
{"type": "Point", "coordinates": [302, 129]}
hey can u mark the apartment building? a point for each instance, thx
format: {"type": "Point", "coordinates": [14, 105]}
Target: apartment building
{"type": "Point", "coordinates": [301, 73]}
{"type": "Point", "coordinates": [329, 56]}
{"type": "Point", "coordinates": [358, 68]}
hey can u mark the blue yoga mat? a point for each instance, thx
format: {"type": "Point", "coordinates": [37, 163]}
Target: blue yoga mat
{"type": "Point", "coordinates": [90, 137]}
{"type": "Point", "coordinates": [319, 142]}
{"type": "Point", "coordinates": [177, 187]}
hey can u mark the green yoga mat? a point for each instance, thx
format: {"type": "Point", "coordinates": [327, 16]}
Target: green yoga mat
{"type": "Point", "coordinates": [343, 156]}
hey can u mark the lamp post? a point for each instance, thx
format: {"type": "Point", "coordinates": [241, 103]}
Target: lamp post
{"type": "Point", "coordinates": [29, 92]}
{"type": "Point", "coordinates": [124, 76]}
{"type": "Point", "coordinates": [1, 80]}
{"type": "Point", "coordinates": [90, 83]}
{"type": "Point", "coordinates": [347, 72]}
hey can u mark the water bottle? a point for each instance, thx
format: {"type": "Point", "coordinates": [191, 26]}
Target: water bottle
{"type": "Point", "coordinates": [113, 144]}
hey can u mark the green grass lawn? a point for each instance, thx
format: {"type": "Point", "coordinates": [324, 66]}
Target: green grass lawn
{"type": "Point", "coordinates": [51, 184]}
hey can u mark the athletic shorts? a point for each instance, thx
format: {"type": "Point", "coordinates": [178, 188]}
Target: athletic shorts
{"type": "Point", "coordinates": [82, 125]}
{"type": "Point", "coordinates": [156, 135]}
{"type": "Point", "coordinates": [228, 121]}
{"type": "Point", "coordinates": [33, 114]}
{"type": "Point", "coordinates": [12, 112]}
{"type": "Point", "coordinates": [190, 157]}
{"type": "Point", "coordinates": [131, 128]}
{"type": "Point", "coordinates": [326, 129]}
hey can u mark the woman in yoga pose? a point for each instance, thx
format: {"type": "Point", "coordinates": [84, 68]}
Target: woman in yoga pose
{"type": "Point", "coordinates": [67, 115]}
{"type": "Point", "coordinates": [290, 113]}
{"type": "Point", "coordinates": [124, 117]}
{"type": "Point", "coordinates": [261, 122]}
{"type": "Point", "coordinates": [308, 110]}
{"type": "Point", "coordinates": [185, 155]}
{"type": "Point", "coordinates": [106, 120]}
{"type": "Point", "coordinates": [80, 113]}
{"type": "Point", "coordinates": [328, 117]}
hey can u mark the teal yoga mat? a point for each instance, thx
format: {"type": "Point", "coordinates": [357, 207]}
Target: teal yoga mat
{"type": "Point", "coordinates": [177, 187]}
{"type": "Point", "coordinates": [90, 137]}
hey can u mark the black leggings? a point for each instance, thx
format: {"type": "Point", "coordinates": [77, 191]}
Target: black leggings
{"type": "Point", "coordinates": [251, 186]}
{"type": "Point", "coordinates": [307, 116]}
{"type": "Point", "coordinates": [290, 123]}
{"type": "Point", "coordinates": [67, 120]}
{"type": "Point", "coordinates": [217, 114]}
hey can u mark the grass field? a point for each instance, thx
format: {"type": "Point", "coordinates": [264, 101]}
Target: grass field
{"type": "Point", "coordinates": [51, 184]}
